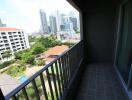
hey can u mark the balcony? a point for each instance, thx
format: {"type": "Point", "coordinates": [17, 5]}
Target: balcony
{"type": "Point", "coordinates": [55, 77]}
{"type": "Point", "coordinates": [98, 67]}
{"type": "Point", "coordinates": [98, 81]}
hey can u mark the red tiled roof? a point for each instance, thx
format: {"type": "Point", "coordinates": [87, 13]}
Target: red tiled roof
{"type": "Point", "coordinates": [8, 29]}
{"type": "Point", "coordinates": [57, 50]}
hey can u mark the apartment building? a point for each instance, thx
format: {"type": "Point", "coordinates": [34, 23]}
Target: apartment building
{"type": "Point", "coordinates": [12, 39]}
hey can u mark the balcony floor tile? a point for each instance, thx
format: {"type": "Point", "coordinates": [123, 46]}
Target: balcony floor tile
{"type": "Point", "coordinates": [99, 82]}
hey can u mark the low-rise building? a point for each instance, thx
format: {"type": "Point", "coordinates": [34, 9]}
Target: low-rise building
{"type": "Point", "coordinates": [13, 40]}
{"type": "Point", "coordinates": [53, 53]}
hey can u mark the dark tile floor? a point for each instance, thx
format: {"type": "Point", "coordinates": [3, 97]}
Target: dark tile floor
{"type": "Point", "coordinates": [99, 82]}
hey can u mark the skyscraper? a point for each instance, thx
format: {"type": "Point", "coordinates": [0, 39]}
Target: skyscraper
{"type": "Point", "coordinates": [44, 23]}
{"type": "Point", "coordinates": [58, 21]}
{"type": "Point", "coordinates": [68, 23]}
{"type": "Point", "coordinates": [53, 25]}
{"type": "Point", "coordinates": [78, 23]}
{"type": "Point", "coordinates": [62, 22]}
{"type": "Point", "coordinates": [74, 21]}
{"type": "Point", "coordinates": [1, 24]}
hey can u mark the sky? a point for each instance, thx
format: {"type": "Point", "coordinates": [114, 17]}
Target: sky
{"type": "Point", "coordinates": [24, 14]}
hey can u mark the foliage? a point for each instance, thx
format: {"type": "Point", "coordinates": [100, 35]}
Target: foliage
{"type": "Point", "coordinates": [40, 62]}
{"type": "Point", "coordinates": [16, 71]}
{"type": "Point", "coordinates": [30, 91]}
{"type": "Point", "coordinates": [7, 54]}
{"type": "Point", "coordinates": [27, 57]}
{"type": "Point", "coordinates": [6, 64]}
{"type": "Point", "coordinates": [32, 38]}
{"type": "Point", "coordinates": [41, 45]}
{"type": "Point", "coordinates": [18, 55]}
{"type": "Point", "coordinates": [37, 48]}
{"type": "Point", "coordinates": [48, 41]}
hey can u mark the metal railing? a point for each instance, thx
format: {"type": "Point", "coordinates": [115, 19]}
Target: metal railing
{"type": "Point", "coordinates": [51, 82]}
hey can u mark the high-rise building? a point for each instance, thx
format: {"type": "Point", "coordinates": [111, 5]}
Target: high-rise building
{"type": "Point", "coordinates": [74, 21]}
{"type": "Point", "coordinates": [68, 24]}
{"type": "Point", "coordinates": [44, 24]}
{"type": "Point", "coordinates": [13, 40]}
{"type": "Point", "coordinates": [53, 25]}
{"type": "Point", "coordinates": [58, 21]}
{"type": "Point", "coordinates": [1, 24]}
{"type": "Point", "coordinates": [62, 19]}
{"type": "Point", "coordinates": [78, 23]}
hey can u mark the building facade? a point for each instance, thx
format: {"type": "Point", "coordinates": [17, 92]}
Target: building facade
{"type": "Point", "coordinates": [44, 24]}
{"type": "Point", "coordinates": [58, 21]}
{"type": "Point", "coordinates": [53, 25]}
{"type": "Point", "coordinates": [68, 24]}
{"type": "Point", "coordinates": [13, 40]}
{"type": "Point", "coordinates": [74, 21]}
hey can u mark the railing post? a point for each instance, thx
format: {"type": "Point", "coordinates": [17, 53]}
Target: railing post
{"type": "Point", "coordinates": [1, 95]}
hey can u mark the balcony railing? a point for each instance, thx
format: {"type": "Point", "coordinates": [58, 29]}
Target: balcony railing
{"type": "Point", "coordinates": [53, 80]}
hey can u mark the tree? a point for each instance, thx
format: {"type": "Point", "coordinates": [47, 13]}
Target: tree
{"type": "Point", "coordinates": [28, 58]}
{"type": "Point", "coordinates": [40, 62]}
{"type": "Point", "coordinates": [48, 41]}
{"type": "Point", "coordinates": [6, 63]}
{"type": "Point", "coordinates": [38, 48]}
{"type": "Point", "coordinates": [7, 54]}
{"type": "Point", "coordinates": [18, 55]}
{"type": "Point", "coordinates": [32, 38]}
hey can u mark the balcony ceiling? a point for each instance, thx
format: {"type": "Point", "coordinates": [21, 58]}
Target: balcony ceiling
{"type": "Point", "coordinates": [81, 4]}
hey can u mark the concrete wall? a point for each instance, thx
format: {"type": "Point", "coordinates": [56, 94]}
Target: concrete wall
{"type": "Point", "coordinates": [99, 31]}
{"type": "Point", "coordinates": [100, 23]}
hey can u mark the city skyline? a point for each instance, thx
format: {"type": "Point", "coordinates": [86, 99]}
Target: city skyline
{"type": "Point", "coordinates": [25, 14]}
{"type": "Point", "coordinates": [58, 22]}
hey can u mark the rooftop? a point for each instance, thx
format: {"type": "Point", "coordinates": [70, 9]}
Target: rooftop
{"type": "Point", "coordinates": [51, 54]}
{"type": "Point", "coordinates": [8, 29]}
{"type": "Point", "coordinates": [57, 50]}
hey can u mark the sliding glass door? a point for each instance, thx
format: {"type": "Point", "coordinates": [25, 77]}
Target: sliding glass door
{"type": "Point", "coordinates": [124, 51]}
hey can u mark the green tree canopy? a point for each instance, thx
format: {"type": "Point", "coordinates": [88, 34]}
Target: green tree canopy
{"type": "Point", "coordinates": [27, 57]}
{"type": "Point", "coordinates": [18, 55]}
{"type": "Point", "coordinates": [38, 48]}
{"type": "Point", "coordinates": [32, 38]}
{"type": "Point", "coordinates": [48, 41]}
{"type": "Point", "coordinates": [7, 54]}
